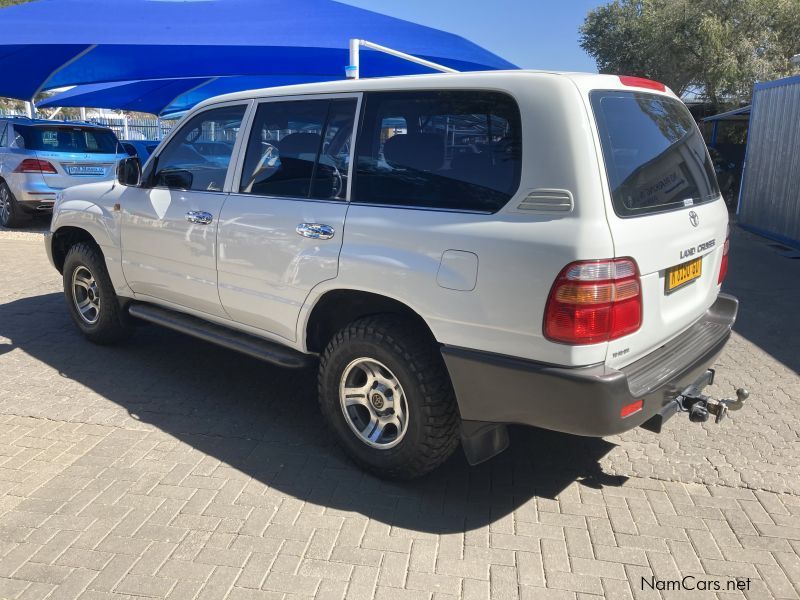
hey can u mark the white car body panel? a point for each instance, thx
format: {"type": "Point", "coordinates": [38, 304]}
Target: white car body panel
{"type": "Point", "coordinates": [251, 271]}
{"type": "Point", "coordinates": [265, 269]}
{"type": "Point", "coordinates": [165, 256]}
{"type": "Point", "coordinates": [91, 207]}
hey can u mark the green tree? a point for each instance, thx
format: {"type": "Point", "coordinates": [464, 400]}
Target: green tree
{"type": "Point", "coordinates": [713, 49]}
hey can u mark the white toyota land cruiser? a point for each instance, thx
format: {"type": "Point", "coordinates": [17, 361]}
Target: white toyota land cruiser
{"type": "Point", "coordinates": [457, 252]}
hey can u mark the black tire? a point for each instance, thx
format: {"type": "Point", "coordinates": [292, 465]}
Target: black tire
{"type": "Point", "coordinates": [111, 322]}
{"type": "Point", "coordinates": [11, 213]}
{"type": "Point", "coordinates": [431, 432]}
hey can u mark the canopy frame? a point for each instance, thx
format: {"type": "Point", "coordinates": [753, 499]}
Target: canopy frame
{"type": "Point", "coordinates": [352, 70]}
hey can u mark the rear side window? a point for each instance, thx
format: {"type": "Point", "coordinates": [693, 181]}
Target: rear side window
{"type": "Point", "coordinates": [300, 149]}
{"type": "Point", "coordinates": [655, 156]}
{"type": "Point", "coordinates": [453, 150]}
{"type": "Point", "coordinates": [83, 140]}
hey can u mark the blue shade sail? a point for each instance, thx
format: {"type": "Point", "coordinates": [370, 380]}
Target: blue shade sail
{"type": "Point", "coordinates": [55, 43]}
{"type": "Point", "coordinates": [159, 96]}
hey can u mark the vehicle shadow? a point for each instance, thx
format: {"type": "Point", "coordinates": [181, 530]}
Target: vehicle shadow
{"type": "Point", "coordinates": [264, 422]}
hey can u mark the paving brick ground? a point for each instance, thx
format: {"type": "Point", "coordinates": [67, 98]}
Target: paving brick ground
{"type": "Point", "coordinates": [168, 468]}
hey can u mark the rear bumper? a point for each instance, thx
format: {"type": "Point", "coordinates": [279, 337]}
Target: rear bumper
{"type": "Point", "coordinates": [587, 400]}
{"type": "Point", "coordinates": [32, 193]}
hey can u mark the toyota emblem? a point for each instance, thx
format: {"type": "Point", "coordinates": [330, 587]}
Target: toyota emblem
{"type": "Point", "coordinates": [694, 219]}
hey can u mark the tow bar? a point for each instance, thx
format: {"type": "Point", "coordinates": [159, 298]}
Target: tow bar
{"type": "Point", "coordinates": [699, 406]}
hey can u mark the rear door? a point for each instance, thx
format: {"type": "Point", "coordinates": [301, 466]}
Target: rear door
{"type": "Point", "coordinates": [664, 210]}
{"type": "Point", "coordinates": [281, 228]}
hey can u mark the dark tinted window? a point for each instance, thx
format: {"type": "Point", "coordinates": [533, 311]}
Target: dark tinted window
{"type": "Point", "coordinates": [655, 157]}
{"type": "Point", "coordinates": [197, 157]}
{"type": "Point", "coordinates": [300, 149]}
{"type": "Point", "coordinates": [732, 132]}
{"type": "Point", "coordinates": [66, 139]}
{"type": "Point", "coordinates": [442, 149]}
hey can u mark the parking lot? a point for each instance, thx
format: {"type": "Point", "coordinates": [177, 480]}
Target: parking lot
{"type": "Point", "coordinates": [170, 468]}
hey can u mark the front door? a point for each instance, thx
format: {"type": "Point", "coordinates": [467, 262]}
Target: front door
{"type": "Point", "coordinates": [169, 223]}
{"type": "Point", "coordinates": [281, 228]}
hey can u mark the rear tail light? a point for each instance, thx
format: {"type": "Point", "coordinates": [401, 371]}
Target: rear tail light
{"type": "Point", "coordinates": [723, 267]}
{"type": "Point", "coordinates": [594, 301]}
{"type": "Point", "coordinates": [641, 82]}
{"type": "Point", "coordinates": [34, 165]}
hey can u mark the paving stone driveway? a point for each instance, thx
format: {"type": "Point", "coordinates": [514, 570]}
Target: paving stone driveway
{"type": "Point", "coordinates": [169, 468]}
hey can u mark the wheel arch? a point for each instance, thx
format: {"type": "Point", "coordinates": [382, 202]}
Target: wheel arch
{"type": "Point", "coordinates": [336, 308]}
{"type": "Point", "coordinates": [64, 238]}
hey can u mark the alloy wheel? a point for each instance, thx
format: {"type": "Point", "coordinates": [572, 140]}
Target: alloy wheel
{"type": "Point", "coordinates": [373, 403]}
{"type": "Point", "coordinates": [86, 295]}
{"type": "Point", "coordinates": [5, 205]}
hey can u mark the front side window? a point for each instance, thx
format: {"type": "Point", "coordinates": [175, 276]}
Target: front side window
{"type": "Point", "coordinates": [456, 150]}
{"type": "Point", "coordinates": [66, 138]}
{"type": "Point", "coordinates": [300, 149]}
{"type": "Point", "coordinates": [197, 158]}
{"type": "Point", "coordinates": [656, 159]}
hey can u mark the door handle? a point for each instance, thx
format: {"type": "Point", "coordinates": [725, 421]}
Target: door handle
{"type": "Point", "coordinates": [200, 217]}
{"type": "Point", "coordinates": [315, 231]}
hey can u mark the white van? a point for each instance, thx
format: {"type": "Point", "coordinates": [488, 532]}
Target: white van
{"type": "Point", "coordinates": [453, 252]}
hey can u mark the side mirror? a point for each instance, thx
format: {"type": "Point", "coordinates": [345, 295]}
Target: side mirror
{"type": "Point", "coordinates": [129, 171]}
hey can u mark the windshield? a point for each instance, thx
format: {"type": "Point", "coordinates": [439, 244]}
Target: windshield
{"type": "Point", "coordinates": [66, 138]}
{"type": "Point", "coordinates": [655, 156]}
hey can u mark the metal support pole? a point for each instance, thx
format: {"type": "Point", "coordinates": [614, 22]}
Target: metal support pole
{"type": "Point", "coordinates": [29, 109]}
{"type": "Point", "coordinates": [125, 132]}
{"type": "Point", "coordinates": [83, 113]}
{"type": "Point", "coordinates": [352, 70]}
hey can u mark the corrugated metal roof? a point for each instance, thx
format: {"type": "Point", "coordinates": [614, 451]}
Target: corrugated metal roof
{"type": "Point", "coordinates": [739, 114]}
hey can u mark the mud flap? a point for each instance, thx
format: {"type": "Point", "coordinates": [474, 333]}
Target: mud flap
{"type": "Point", "coordinates": [481, 441]}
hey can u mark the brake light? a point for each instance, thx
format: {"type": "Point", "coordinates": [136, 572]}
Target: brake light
{"type": "Point", "coordinates": [723, 267]}
{"type": "Point", "coordinates": [594, 301]}
{"type": "Point", "coordinates": [34, 165]}
{"type": "Point", "coordinates": [641, 82]}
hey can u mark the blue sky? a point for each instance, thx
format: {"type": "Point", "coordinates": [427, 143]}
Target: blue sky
{"type": "Point", "coordinates": [533, 34]}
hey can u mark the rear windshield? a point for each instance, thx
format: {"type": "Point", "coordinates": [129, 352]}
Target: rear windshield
{"type": "Point", "coordinates": [66, 139]}
{"type": "Point", "coordinates": [655, 156]}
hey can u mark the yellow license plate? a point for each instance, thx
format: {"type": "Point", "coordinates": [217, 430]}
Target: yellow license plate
{"type": "Point", "coordinates": [683, 274]}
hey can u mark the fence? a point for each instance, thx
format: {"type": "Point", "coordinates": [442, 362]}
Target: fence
{"type": "Point", "coordinates": [769, 203]}
{"type": "Point", "coordinates": [136, 129]}
{"type": "Point", "coordinates": [124, 127]}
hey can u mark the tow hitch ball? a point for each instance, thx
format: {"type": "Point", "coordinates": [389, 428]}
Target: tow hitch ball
{"type": "Point", "coordinates": [700, 407]}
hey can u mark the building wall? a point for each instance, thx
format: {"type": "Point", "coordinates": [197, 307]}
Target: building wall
{"type": "Point", "coordinates": [770, 194]}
